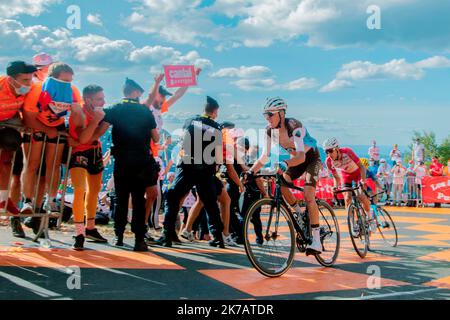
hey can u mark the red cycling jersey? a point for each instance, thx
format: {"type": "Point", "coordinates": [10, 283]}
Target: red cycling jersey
{"type": "Point", "coordinates": [347, 166]}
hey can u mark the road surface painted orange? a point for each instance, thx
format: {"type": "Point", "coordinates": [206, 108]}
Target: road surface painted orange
{"type": "Point", "coordinates": [435, 228]}
{"type": "Point", "coordinates": [57, 258]}
{"type": "Point", "coordinates": [438, 256]}
{"type": "Point", "coordinates": [443, 283]}
{"type": "Point", "coordinates": [295, 281]}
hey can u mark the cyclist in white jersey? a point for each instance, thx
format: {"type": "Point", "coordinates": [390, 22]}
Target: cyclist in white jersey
{"type": "Point", "coordinates": [304, 158]}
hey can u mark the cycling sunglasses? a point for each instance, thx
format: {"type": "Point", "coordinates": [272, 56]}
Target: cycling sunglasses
{"type": "Point", "coordinates": [269, 114]}
{"type": "Point", "coordinates": [328, 151]}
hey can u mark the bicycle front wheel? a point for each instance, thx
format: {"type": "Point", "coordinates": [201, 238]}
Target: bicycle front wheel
{"type": "Point", "coordinates": [269, 238]}
{"type": "Point", "coordinates": [358, 231]}
{"type": "Point", "coordinates": [329, 235]}
{"type": "Point", "coordinates": [387, 228]}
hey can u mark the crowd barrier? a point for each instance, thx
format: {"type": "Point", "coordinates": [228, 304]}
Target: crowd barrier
{"type": "Point", "coordinates": [431, 190]}
{"type": "Point", "coordinates": [37, 213]}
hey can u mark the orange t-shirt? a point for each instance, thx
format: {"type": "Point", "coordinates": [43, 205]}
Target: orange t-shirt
{"type": "Point", "coordinates": [47, 117]}
{"type": "Point", "coordinates": [10, 104]}
{"type": "Point", "coordinates": [72, 132]}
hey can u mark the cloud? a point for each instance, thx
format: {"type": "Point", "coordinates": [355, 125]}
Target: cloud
{"type": "Point", "coordinates": [397, 69]}
{"type": "Point", "coordinates": [269, 84]}
{"type": "Point", "coordinates": [12, 8]}
{"type": "Point", "coordinates": [168, 55]}
{"type": "Point", "coordinates": [239, 116]}
{"type": "Point", "coordinates": [90, 48]}
{"type": "Point", "coordinates": [14, 35]}
{"type": "Point", "coordinates": [176, 21]}
{"type": "Point", "coordinates": [300, 84]}
{"type": "Point", "coordinates": [394, 69]}
{"type": "Point", "coordinates": [434, 62]}
{"type": "Point", "coordinates": [196, 91]}
{"type": "Point", "coordinates": [336, 85]}
{"type": "Point", "coordinates": [260, 78]}
{"type": "Point", "coordinates": [92, 69]}
{"type": "Point", "coordinates": [177, 117]}
{"type": "Point", "coordinates": [255, 84]}
{"type": "Point", "coordinates": [242, 72]}
{"type": "Point", "coordinates": [95, 19]}
{"type": "Point", "coordinates": [97, 48]}
{"type": "Point", "coordinates": [409, 24]}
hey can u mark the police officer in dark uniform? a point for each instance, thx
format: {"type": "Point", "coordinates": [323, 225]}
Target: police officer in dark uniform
{"type": "Point", "coordinates": [201, 153]}
{"type": "Point", "coordinates": [135, 168]}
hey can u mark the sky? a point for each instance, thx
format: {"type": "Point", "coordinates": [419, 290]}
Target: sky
{"type": "Point", "coordinates": [339, 77]}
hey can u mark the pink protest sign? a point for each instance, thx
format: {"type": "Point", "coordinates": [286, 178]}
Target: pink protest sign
{"type": "Point", "coordinates": [180, 76]}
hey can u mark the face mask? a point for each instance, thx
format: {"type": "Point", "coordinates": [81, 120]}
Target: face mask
{"type": "Point", "coordinates": [22, 90]}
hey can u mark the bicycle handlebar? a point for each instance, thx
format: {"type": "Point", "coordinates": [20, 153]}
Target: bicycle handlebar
{"type": "Point", "coordinates": [272, 176]}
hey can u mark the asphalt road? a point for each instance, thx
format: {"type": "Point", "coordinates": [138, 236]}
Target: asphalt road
{"type": "Point", "coordinates": [418, 268]}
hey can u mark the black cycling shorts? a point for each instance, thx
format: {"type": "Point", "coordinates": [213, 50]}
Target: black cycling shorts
{"type": "Point", "coordinates": [311, 166]}
{"type": "Point", "coordinates": [91, 160]}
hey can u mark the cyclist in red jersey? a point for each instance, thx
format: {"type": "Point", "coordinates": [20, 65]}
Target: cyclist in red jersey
{"type": "Point", "coordinates": [346, 168]}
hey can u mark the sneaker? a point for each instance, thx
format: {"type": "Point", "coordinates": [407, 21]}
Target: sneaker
{"type": "Point", "coordinates": [79, 242]}
{"type": "Point", "coordinates": [27, 208]}
{"type": "Point", "coordinates": [149, 239]}
{"type": "Point", "coordinates": [240, 239]}
{"type": "Point", "coordinates": [93, 234]}
{"type": "Point", "coordinates": [189, 236]}
{"type": "Point", "coordinates": [164, 240]}
{"type": "Point", "coordinates": [217, 242]}
{"type": "Point", "coordinates": [118, 241]}
{"type": "Point", "coordinates": [10, 207]}
{"type": "Point", "coordinates": [229, 241]}
{"type": "Point", "coordinates": [316, 246]}
{"type": "Point", "coordinates": [140, 246]}
{"type": "Point", "coordinates": [16, 227]}
{"type": "Point", "coordinates": [259, 240]}
{"type": "Point", "coordinates": [175, 239]}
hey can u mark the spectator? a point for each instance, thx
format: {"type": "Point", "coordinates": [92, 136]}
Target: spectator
{"type": "Point", "coordinates": [421, 171]}
{"type": "Point", "coordinates": [418, 151]}
{"type": "Point", "coordinates": [395, 155]}
{"type": "Point", "coordinates": [411, 184]}
{"type": "Point", "coordinates": [14, 87]}
{"type": "Point", "coordinates": [384, 174]}
{"type": "Point", "coordinates": [373, 166]}
{"type": "Point", "coordinates": [42, 62]}
{"type": "Point", "coordinates": [374, 153]}
{"type": "Point", "coordinates": [436, 170]}
{"type": "Point", "coordinates": [323, 173]}
{"type": "Point", "coordinates": [447, 169]}
{"type": "Point", "coordinates": [398, 174]}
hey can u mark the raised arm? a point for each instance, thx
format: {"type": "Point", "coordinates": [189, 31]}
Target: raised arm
{"type": "Point", "coordinates": [154, 91]}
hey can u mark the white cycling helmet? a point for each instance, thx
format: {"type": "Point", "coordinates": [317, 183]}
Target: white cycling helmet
{"type": "Point", "coordinates": [275, 105]}
{"type": "Point", "coordinates": [330, 143]}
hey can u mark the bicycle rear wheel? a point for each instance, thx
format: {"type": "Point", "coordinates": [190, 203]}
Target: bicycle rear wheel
{"type": "Point", "coordinates": [387, 227]}
{"type": "Point", "coordinates": [329, 235]}
{"type": "Point", "coordinates": [358, 231]}
{"type": "Point", "coordinates": [269, 238]}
